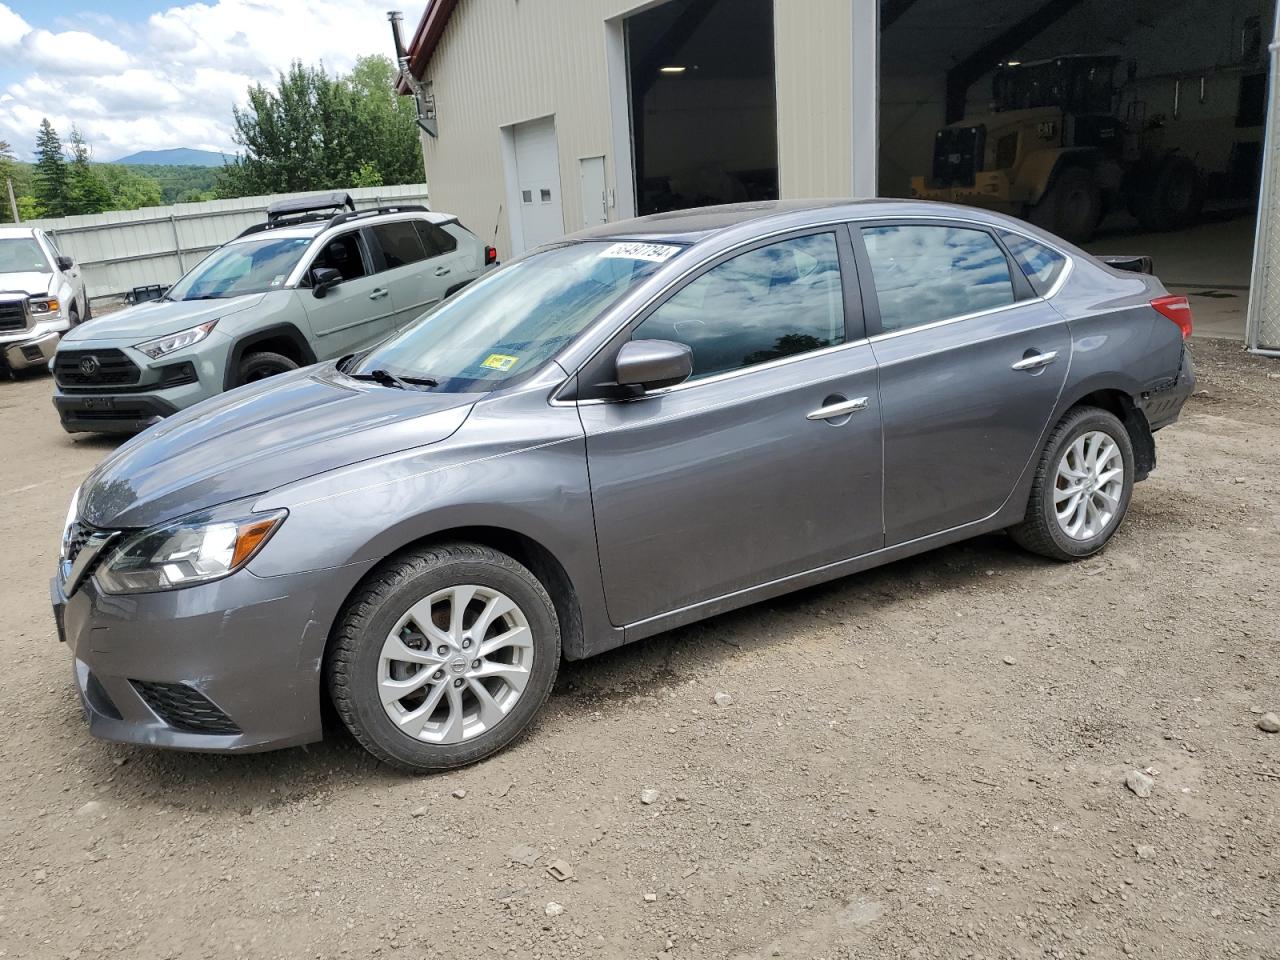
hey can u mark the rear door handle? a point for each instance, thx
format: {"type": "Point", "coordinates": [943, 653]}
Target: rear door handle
{"type": "Point", "coordinates": [841, 409]}
{"type": "Point", "coordinates": [442, 271]}
{"type": "Point", "coordinates": [1037, 361]}
{"type": "Point", "coordinates": [378, 294]}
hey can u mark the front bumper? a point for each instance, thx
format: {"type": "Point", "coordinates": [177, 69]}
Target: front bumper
{"type": "Point", "coordinates": [34, 352]}
{"type": "Point", "coordinates": [229, 666]}
{"type": "Point", "coordinates": [110, 413]}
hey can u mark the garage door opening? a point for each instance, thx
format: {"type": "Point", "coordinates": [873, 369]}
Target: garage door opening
{"type": "Point", "coordinates": [703, 109]}
{"type": "Point", "coordinates": [1125, 127]}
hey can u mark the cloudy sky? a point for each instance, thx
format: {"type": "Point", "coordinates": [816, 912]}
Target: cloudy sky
{"type": "Point", "coordinates": [144, 74]}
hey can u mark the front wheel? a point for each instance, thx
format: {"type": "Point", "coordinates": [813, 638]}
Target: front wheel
{"type": "Point", "coordinates": [1082, 487]}
{"type": "Point", "coordinates": [259, 366]}
{"type": "Point", "coordinates": [443, 656]}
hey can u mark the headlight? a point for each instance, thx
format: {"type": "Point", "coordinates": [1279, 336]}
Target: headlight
{"type": "Point", "coordinates": [176, 341]}
{"type": "Point", "coordinates": [185, 552]}
{"type": "Point", "coordinates": [42, 306]}
{"type": "Point", "coordinates": [73, 512]}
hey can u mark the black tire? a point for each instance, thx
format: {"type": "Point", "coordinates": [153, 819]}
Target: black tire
{"type": "Point", "coordinates": [1172, 198]}
{"type": "Point", "coordinates": [259, 366]}
{"type": "Point", "coordinates": [73, 315]}
{"type": "Point", "coordinates": [1040, 531]}
{"type": "Point", "coordinates": [88, 309]}
{"type": "Point", "coordinates": [1072, 206]}
{"type": "Point", "coordinates": [366, 620]}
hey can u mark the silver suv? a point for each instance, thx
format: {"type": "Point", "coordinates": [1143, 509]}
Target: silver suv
{"type": "Point", "coordinates": [41, 297]}
{"type": "Point", "coordinates": [307, 285]}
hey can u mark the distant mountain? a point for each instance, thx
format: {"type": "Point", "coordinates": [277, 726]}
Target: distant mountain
{"type": "Point", "coordinates": [177, 157]}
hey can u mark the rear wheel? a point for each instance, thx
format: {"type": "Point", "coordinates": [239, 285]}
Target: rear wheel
{"type": "Point", "coordinates": [1071, 207]}
{"type": "Point", "coordinates": [1172, 198]}
{"type": "Point", "coordinates": [443, 656]}
{"type": "Point", "coordinates": [1082, 486]}
{"type": "Point", "coordinates": [258, 366]}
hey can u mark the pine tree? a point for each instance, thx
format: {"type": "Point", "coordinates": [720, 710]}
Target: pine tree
{"type": "Point", "coordinates": [52, 181]}
{"type": "Point", "coordinates": [88, 193]}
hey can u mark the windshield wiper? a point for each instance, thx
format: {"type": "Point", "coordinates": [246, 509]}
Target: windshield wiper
{"type": "Point", "coordinates": [389, 379]}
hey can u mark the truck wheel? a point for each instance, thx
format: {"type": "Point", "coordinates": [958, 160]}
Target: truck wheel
{"type": "Point", "coordinates": [259, 366]}
{"type": "Point", "coordinates": [1071, 207]}
{"type": "Point", "coordinates": [443, 656]}
{"type": "Point", "coordinates": [1172, 198]}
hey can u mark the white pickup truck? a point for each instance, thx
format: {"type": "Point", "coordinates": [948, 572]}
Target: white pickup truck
{"type": "Point", "coordinates": [42, 296]}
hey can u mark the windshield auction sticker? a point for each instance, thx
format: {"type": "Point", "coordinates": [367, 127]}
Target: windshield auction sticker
{"type": "Point", "coordinates": [653, 252]}
{"type": "Point", "coordinates": [499, 361]}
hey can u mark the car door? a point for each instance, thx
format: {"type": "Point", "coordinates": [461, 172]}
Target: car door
{"type": "Point", "coordinates": [764, 464]}
{"type": "Point", "coordinates": [351, 314]}
{"type": "Point", "coordinates": [971, 365]}
{"type": "Point", "coordinates": [406, 271]}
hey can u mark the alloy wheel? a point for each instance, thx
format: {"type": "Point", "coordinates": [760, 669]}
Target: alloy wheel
{"type": "Point", "coordinates": [455, 664]}
{"type": "Point", "coordinates": [1088, 486]}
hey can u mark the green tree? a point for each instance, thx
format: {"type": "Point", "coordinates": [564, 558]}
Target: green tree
{"type": "Point", "coordinates": [316, 132]}
{"type": "Point", "coordinates": [87, 192]}
{"type": "Point", "coordinates": [129, 190]}
{"type": "Point", "coordinates": [52, 180]}
{"type": "Point", "coordinates": [8, 163]}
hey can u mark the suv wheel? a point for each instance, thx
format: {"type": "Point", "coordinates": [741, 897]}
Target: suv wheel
{"type": "Point", "coordinates": [1082, 487]}
{"type": "Point", "coordinates": [443, 656]}
{"type": "Point", "coordinates": [259, 366]}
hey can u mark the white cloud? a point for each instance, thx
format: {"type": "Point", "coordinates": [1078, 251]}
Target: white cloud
{"type": "Point", "coordinates": [171, 80]}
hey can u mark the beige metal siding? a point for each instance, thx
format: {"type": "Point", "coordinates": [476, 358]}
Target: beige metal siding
{"type": "Point", "coordinates": [501, 63]}
{"type": "Point", "coordinates": [812, 45]}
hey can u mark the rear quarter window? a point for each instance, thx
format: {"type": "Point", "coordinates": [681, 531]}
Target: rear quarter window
{"type": "Point", "coordinates": [1042, 265]}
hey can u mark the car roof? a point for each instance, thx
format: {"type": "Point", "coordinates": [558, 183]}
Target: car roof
{"type": "Point", "coordinates": [693, 225]}
{"type": "Point", "coordinates": [316, 227]}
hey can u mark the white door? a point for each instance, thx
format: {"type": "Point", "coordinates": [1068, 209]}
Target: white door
{"type": "Point", "coordinates": [595, 207]}
{"type": "Point", "coordinates": [538, 181]}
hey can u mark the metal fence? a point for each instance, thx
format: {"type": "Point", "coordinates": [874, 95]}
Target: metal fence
{"type": "Point", "coordinates": [155, 245]}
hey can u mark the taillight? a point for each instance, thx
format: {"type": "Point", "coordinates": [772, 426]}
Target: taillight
{"type": "Point", "coordinates": [490, 256]}
{"type": "Point", "coordinates": [1176, 309]}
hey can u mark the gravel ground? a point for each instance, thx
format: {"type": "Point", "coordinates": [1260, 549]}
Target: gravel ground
{"type": "Point", "coordinates": [927, 760]}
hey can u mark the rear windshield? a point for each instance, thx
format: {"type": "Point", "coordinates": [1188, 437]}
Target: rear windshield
{"type": "Point", "coordinates": [512, 321]}
{"type": "Point", "coordinates": [22, 255]}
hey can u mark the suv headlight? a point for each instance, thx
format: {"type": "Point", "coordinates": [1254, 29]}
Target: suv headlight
{"type": "Point", "coordinates": [175, 341]}
{"type": "Point", "coordinates": [186, 552]}
{"type": "Point", "coordinates": [43, 306]}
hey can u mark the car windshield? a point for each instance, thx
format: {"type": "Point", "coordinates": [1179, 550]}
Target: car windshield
{"type": "Point", "coordinates": [249, 266]}
{"type": "Point", "coordinates": [513, 321]}
{"type": "Point", "coordinates": [22, 255]}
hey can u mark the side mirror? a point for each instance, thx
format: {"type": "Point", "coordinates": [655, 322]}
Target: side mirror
{"type": "Point", "coordinates": [653, 364]}
{"type": "Point", "coordinates": [322, 278]}
{"type": "Point", "coordinates": [65, 263]}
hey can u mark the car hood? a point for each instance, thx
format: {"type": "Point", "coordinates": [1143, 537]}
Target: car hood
{"type": "Point", "coordinates": [158, 318]}
{"type": "Point", "coordinates": [251, 440]}
{"type": "Point", "coordinates": [32, 284]}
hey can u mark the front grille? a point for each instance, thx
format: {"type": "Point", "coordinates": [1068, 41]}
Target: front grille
{"type": "Point", "coordinates": [184, 707]}
{"type": "Point", "coordinates": [94, 368]}
{"type": "Point", "coordinates": [13, 315]}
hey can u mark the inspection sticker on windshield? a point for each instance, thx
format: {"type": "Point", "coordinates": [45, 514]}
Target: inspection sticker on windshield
{"type": "Point", "coordinates": [499, 361]}
{"type": "Point", "coordinates": [653, 252]}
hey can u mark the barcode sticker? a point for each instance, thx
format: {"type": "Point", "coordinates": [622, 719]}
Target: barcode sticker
{"type": "Point", "coordinates": [653, 252]}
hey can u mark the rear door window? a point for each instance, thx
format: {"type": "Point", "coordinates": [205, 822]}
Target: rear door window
{"type": "Point", "coordinates": [435, 239]}
{"type": "Point", "coordinates": [925, 273]}
{"type": "Point", "coordinates": [1042, 265]}
{"type": "Point", "coordinates": [762, 305]}
{"type": "Point", "coordinates": [401, 245]}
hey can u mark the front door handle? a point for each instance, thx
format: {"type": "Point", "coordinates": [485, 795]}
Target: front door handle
{"type": "Point", "coordinates": [841, 409]}
{"type": "Point", "coordinates": [378, 294]}
{"type": "Point", "coordinates": [1037, 361]}
{"type": "Point", "coordinates": [442, 271]}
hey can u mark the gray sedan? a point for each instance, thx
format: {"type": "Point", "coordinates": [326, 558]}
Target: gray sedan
{"type": "Point", "coordinates": [647, 424]}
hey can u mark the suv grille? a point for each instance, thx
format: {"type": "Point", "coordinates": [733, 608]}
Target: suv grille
{"type": "Point", "coordinates": [13, 315]}
{"type": "Point", "coordinates": [184, 707]}
{"type": "Point", "coordinates": [92, 368]}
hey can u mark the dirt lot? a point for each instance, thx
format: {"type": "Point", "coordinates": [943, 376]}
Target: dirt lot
{"type": "Point", "coordinates": [927, 760]}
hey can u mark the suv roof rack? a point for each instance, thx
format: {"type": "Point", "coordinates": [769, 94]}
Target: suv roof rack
{"type": "Point", "coordinates": [311, 208]}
